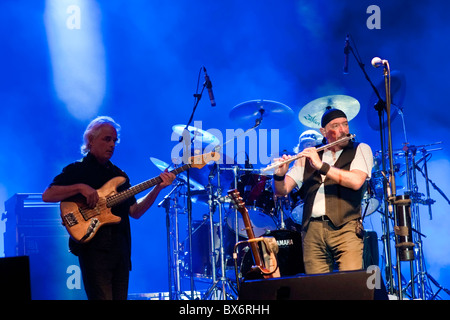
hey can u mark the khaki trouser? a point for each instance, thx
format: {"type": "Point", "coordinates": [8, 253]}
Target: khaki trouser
{"type": "Point", "coordinates": [324, 245]}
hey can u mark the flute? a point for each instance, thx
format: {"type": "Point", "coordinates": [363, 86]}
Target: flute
{"type": "Point", "coordinates": [298, 156]}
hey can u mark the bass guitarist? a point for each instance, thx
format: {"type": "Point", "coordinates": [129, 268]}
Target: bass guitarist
{"type": "Point", "coordinates": [105, 261]}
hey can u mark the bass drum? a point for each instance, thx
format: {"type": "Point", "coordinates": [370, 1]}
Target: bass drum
{"type": "Point", "coordinates": [289, 257]}
{"type": "Point", "coordinates": [201, 249]}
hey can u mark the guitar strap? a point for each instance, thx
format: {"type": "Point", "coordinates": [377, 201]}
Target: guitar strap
{"type": "Point", "coordinates": [270, 251]}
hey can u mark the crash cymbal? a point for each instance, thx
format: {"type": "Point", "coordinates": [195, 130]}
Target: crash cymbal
{"type": "Point", "coordinates": [311, 114]}
{"type": "Point", "coordinates": [196, 133]}
{"type": "Point", "coordinates": [273, 114]}
{"type": "Point", "coordinates": [161, 165]}
{"type": "Point", "coordinates": [398, 88]}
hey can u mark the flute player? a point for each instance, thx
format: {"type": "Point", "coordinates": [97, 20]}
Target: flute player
{"type": "Point", "coordinates": [331, 184]}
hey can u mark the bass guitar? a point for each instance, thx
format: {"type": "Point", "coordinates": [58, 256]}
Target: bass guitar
{"type": "Point", "coordinates": [82, 222]}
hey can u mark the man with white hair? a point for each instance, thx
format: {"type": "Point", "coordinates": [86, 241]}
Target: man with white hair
{"type": "Point", "coordinates": [105, 260]}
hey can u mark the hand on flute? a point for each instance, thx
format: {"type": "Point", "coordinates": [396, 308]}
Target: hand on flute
{"type": "Point", "coordinates": [284, 161]}
{"type": "Point", "coordinates": [310, 153]}
{"type": "Point", "coordinates": [313, 157]}
{"type": "Point", "coordinates": [283, 168]}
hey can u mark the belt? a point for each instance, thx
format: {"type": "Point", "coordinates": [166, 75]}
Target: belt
{"type": "Point", "coordinates": [321, 218]}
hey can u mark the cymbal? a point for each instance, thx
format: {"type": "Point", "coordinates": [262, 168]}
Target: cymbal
{"type": "Point", "coordinates": [196, 133]}
{"type": "Point", "coordinates": [161, 165]}
{"type": "Point", "coordinates": [274, 114]}
{"type": "Point", "coordinates": [398, 88]}
{"type": "Point", "coordinates": [311, 114]}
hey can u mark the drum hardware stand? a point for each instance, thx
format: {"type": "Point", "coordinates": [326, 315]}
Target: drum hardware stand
{"type": "Point", "coordinates": [236, 168]}
{"type": "Point", "coordinates": [212, 208]}
{"type": "Point", "coordinates": [220, 200]}
{"type": "Point", "coordinates": [173, 250]}
{"type": "Point", "coordinates": [422, 277]}
{"type": "Point", "coordinates": [411, 178]}
{"type": "Point", "coordinates": [280, 205]}
{"type": "Point", "coordinates": [222, 283]}
{"type": "Point", "coordinates": [428, 181]}
{"type": "Point", "coordinates": [236, 221]}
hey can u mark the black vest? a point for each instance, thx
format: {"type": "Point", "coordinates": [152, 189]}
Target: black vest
{"type": "Point", "coordinates": [342, 204]}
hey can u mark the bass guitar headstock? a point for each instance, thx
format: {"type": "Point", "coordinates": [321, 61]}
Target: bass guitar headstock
{"type": "Point", "coordinates": [203, 159]}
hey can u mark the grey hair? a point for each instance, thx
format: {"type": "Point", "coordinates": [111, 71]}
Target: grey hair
{"type": "Point", "coordinates": [93, 130]}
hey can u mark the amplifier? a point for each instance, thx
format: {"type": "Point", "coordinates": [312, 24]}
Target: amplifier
{"type": "Point", "coordinates": [346, 285]}
{"type": "Point", "coordinates": [34, 229]}
{"type": "Point", "coordinates": [15, 278]}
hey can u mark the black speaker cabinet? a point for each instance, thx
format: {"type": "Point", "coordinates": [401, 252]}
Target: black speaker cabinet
{"type": "Point", "coordinates": [15, 278]}
{"type": "Point", "coordinates": [34, 229]}
{"type": "Point", "coordinates": [350, 285]}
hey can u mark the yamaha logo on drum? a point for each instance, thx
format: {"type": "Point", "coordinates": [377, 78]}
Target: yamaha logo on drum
{"type": "Point", "coordinates": [285, 242]}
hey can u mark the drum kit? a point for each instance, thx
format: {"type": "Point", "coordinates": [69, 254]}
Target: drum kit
{"type": "Point", "coordinates": [206, 253]}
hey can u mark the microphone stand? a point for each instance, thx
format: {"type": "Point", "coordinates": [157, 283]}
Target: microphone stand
{"type": "Point", "coordinates": [186, 155]}
{"type": "Point", "coordinates": [380, 106]}
{"type": "Point", "coordinates": [392, 197]}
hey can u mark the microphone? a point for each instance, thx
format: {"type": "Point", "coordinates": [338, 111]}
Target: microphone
{"type": "Point", "coordinates": [346, 52]}
{"type": "Point", "coordinates": [208, 85]}
{"type": "Point", "coordinates": [377, 62]}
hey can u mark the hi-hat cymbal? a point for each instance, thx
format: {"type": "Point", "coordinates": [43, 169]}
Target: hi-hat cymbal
{"type": "Point", "coordinates": [196, 133]}
{"type": "Point", "coordinates": [161, 165]}
{"type": "Point", "coordinates": [398, 87]}
{"type": "Point", "coordinates": [311, 114]}
{"type": "Point", "coordinates": [273, 114]}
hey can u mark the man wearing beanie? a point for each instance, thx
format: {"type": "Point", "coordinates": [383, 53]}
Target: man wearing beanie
{"type": "Point", "coordinates": [331, 184]}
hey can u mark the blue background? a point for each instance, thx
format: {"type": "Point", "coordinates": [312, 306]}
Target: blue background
{"type": "Point", "coordinates": [138, 62]}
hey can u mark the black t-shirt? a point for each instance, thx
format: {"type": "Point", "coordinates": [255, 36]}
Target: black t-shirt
{"type": "Point", "coordinates": [115, 238]}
